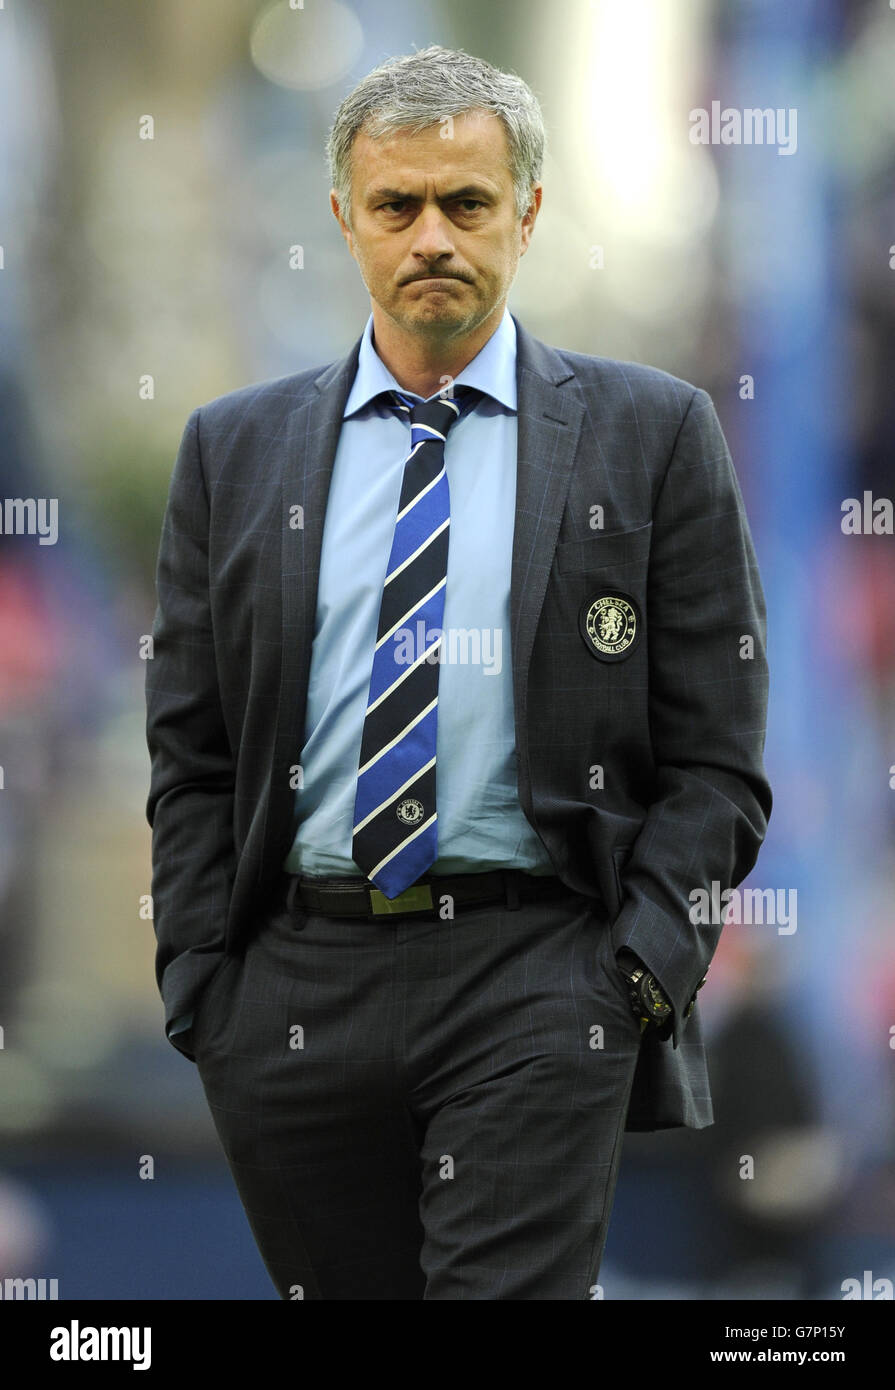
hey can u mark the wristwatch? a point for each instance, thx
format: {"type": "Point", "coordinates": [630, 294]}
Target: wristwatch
{"type": "Point", "coordinates": [648, 1000]}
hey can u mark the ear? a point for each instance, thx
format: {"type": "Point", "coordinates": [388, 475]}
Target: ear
{"type": "Point", "coordinates": [343, 225]}
{"type": "Point", "coordinates": [528, 221]}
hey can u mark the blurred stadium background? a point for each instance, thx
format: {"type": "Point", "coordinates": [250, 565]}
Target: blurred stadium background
{"type": "Point", "coordinates": [126, 257]}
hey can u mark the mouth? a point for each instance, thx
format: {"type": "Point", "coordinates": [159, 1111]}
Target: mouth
{"type": "Point", "coordinates": [434, 280]}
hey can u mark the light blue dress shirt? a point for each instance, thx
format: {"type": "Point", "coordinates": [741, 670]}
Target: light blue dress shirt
{"type": "Point", "coordinates": [481, 824]}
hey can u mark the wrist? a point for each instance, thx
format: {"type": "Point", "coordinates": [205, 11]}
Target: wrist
{"type": "Point", "coordinates": [649, 1002]}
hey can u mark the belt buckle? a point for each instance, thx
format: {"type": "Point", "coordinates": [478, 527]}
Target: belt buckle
{"type": "Point", "coordinates": [416, 898]}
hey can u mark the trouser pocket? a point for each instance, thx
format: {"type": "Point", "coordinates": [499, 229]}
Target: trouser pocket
{"type": "Point", "coordinates": [201, 1010]}
{"type": "Point", "coordinates": [609, 978]}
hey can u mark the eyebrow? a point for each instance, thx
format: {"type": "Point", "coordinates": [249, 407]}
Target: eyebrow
{"type": "Point", "coordinates": [390, 195]}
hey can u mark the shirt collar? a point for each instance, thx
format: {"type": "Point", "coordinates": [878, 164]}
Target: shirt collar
{"type": "Point", "coordinates": [492, 370]}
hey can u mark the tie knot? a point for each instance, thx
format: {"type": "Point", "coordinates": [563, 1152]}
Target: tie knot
{"type": "Point", "coordinates": [437, 414]}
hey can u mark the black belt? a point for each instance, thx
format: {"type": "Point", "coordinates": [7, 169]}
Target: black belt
{"type": "Point", "coordinates": [345, 897]}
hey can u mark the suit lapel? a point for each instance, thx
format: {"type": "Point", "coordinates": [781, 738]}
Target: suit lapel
{"type": "Point", "coordinates": [310, 441]}
{"type": "Point", "coordinates": [549, 426]}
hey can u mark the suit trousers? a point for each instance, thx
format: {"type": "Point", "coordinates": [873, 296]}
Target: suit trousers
{"type": "Point", "coordinates": [424, 1108]}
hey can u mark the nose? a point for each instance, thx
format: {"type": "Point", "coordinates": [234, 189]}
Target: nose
{"type": "Point", "coordinates": [431, 239]}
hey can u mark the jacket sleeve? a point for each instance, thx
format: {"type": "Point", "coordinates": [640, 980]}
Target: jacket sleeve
{"type": "Point", "coordinates": [190, 804]}
{"type": "Point", "coordinates": [708, 690]}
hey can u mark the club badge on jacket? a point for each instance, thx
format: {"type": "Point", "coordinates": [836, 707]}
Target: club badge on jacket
{"type": "Point", "coordinates": [610, 626]}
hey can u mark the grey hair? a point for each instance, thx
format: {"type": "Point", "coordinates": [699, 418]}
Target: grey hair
{"type": "Point", "coordinates": [418, 90]}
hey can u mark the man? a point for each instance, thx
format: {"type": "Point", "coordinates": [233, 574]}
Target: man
{"type": "Point", "coordinates": [428, 813]}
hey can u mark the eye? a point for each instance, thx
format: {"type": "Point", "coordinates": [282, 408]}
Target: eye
{"type": "Point", "coordinates": [471, 204]}
{"type": "Point", "coordinates": [399, 203]}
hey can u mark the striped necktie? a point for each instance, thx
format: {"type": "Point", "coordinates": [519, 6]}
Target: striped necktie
{"type": "Point", "coordinates": [395, 834]}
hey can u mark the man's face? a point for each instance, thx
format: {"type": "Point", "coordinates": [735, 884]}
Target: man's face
{"type": "Point", "coordinates": [434, 225]}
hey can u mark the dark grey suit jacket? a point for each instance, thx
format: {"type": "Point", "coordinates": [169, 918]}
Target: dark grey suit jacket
{"type": "Point", "coordinates": [677, 722]}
